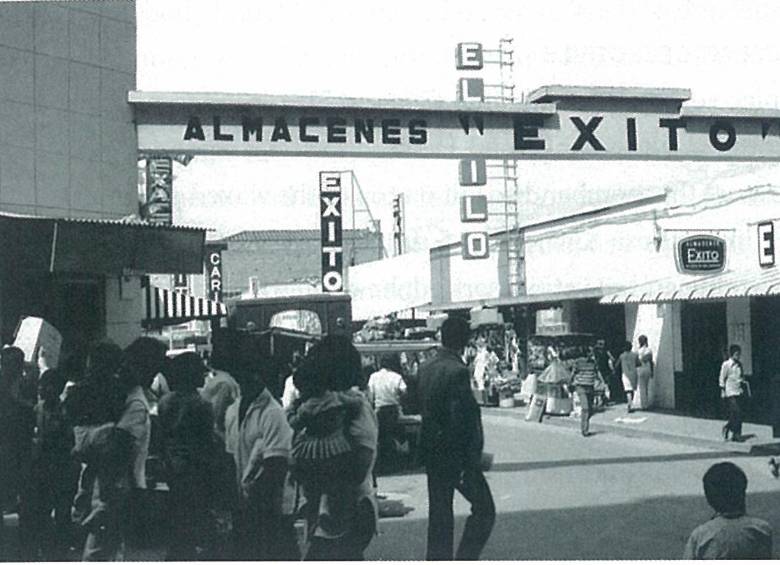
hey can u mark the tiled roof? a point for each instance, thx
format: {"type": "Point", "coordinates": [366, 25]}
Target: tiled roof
{"type": "Point", "coordinates": [292, 235]}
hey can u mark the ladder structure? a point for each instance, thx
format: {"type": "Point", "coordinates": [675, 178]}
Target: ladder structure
{"type": "Point", "coordinates": [505, 171]}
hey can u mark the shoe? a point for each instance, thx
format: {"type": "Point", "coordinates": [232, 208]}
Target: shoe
{"type": "Point", "coordinates": [586, 434]}
{"type": "Point", "coordinates": [774, 467]}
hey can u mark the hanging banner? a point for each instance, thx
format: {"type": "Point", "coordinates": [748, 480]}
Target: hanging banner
{"type": "Point", "coordinates": [556, 122]}
{"type": "Point", "coordinates": [213, 262]}
{"type": "Point", "coordinates": [158, 207]}
{"type": "Point", "coordinates": [331, 232]}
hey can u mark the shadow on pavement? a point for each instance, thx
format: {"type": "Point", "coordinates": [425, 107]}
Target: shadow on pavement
{"type": "Point", "coordinates": [532, 465]}
{"type": "Point", "coordinates": [653, 528]}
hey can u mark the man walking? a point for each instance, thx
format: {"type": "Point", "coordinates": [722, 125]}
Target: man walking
{"type": "Point", "coordinates": [452, 444]}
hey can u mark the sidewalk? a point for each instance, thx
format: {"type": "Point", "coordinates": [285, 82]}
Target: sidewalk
{"type": "Point", "coordinates": [664, 426]}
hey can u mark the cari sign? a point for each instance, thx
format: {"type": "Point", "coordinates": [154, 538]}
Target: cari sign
{"type": "Point", "coordinates": [701, 254]}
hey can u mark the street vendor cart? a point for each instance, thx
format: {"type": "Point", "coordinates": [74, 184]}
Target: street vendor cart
{"type": "Point", "coordinates": [550, 361]}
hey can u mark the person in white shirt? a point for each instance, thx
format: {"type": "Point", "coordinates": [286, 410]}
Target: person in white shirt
{"type": "Point", "coordinates": [731, 382]}
{"type": "Point", "coordinates": [386, 387]}
{"type": "Point", "coordinates": [259, 438]}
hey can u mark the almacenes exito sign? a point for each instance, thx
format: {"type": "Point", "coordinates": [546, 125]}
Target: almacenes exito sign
{"type": "Point", "coordinates": [557, 123]}
{"type": "Point", "coordinates": [701, 254]}
{"type": "Point", "coordinates": [331, 232]}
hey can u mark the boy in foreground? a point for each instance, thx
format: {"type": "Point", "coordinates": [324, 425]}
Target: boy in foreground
{"type": "Point", "coordinates": [730, 533]}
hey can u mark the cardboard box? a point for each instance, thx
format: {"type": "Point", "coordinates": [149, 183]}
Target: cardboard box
{"type": "Point", "coordinates": [32, 334]}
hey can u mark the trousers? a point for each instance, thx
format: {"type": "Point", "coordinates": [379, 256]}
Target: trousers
{"type": "Point", "coordinates": [585, 394]}
{"type": "Point", "coordinates": [474, 488]}
{"type": "Point", "coordinates": [734, 407]}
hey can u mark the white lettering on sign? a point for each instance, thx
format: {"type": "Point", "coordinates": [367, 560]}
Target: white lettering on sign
{"type": "Point", "coordinates": [331, 232]}
{"type": "Point", "coordinates": [332, 206]}
{"type": "Point", "coordinates": [468, 56]}
{"type": "Point", "coordinates": [330, 181]}
{"type": "Point", "coordinates": [473, 208]}
{"type": "Point", "coordinates": [332, 282]}
{"type": "Point", "coordinates": [703, 257]}
{"type": "Point", "coordinates": [472, 172]}
{"type": "Point", "coordinates": [471, 90]}
{"type": "Point", "coordinates": [766, 244]}
{"type": "Point", "coordinates": [701, 254]}
{"type": "Point", "coordinates": [214, 274]}
{"type": "Point", "coordinates": [474, 245]}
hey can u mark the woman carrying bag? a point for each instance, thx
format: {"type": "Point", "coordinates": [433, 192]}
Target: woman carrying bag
{"type": "Point", "coordinates": [733, 388]}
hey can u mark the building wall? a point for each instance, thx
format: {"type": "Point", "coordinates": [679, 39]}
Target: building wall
{"type": "Point", "coordinates": [68, 144]}
{"type": "Point", "coordinates": [124, 309]}
{"type": "Point", "coordinates": [67, 140]}
{"type": "Point", "coordinates": [280, 261]}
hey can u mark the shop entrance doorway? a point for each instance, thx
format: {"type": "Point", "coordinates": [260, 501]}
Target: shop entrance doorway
{"type": "Point", "coordinates": [765, 334]}
{"type": "Point", "coordinates": [704, 340]}
{"type": "Point", "coordinates": [76, 307]}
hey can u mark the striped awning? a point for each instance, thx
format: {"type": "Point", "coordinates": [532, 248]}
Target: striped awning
{"type": "Point", "coordinates": [713, 287]}
{"type": "Point", "coordinates": [165, 307]}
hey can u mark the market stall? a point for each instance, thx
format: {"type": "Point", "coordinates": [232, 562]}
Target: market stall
{"type": "Point", "coordinates": [550, 361]}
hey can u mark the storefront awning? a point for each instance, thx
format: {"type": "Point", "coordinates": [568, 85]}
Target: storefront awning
{"type": "Point", "coordinates": [713, 287]}
{"type": "Point", "coordinates": [165, 307]}
{"type": "Point", "coordinates": [99, 246]}
{"type": "Point", "coordinates": [539, 298]}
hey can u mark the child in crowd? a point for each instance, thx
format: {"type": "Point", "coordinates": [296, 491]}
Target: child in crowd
{"type": "Point", "coordinates": [731, 533]}
{"type": "Point", "coordinates": [321, 448]}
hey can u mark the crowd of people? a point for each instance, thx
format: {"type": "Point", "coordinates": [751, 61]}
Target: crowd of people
{"type": "Point", "coordinates": [241, 468]}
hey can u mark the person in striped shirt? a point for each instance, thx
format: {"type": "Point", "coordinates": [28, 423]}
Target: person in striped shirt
{"type": "Point", "coordinates": [585, 376]}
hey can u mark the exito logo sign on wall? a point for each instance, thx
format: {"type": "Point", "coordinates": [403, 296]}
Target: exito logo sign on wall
{"type": "Point", "coordinates": [331, 231]}
{"type": "Point", "coordinates": [701, 254]}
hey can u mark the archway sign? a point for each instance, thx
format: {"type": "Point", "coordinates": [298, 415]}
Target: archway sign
{"type": "Point", "coordinates": [557, 122]}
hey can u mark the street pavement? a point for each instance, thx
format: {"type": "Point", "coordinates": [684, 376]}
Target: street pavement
{"type": "Point", "coordinates": [562, 496]}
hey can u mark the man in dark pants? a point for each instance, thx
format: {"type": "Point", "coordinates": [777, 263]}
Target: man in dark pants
{"type": "Point", "coordinates": [451, 445]}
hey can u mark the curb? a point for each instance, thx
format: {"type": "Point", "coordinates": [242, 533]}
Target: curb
{"type": "Point", "coordinates": [755, 448]}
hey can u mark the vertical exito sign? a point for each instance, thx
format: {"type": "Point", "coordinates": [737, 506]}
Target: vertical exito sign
{"type": "Point", "coordinates": [158, 208]}
{"type": "Point", "coordinates": [331, 231]}
{"type": "Point", "coordinates": [213, 272]}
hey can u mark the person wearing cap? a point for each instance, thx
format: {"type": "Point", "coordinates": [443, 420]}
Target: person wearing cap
{"type": "Point", "coordinates": [187, 424]}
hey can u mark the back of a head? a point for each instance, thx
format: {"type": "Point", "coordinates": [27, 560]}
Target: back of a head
{"type": "Point", "coordinates": [11, 363]}
{"type": "Point", "coordinates": [627, 346]}
{"type": "Point", "coordinates": [145, 357]}
{"type": "Point", "coordinates": [186, 372]}
{"type": "Point", "coordinates": [455, 333]}
{"type": "Point", "coordinates": [337, 362]}
{"type": "Point", "coordinates": [642, 339]}
{"type": "Point", "coordinates": [103, 361]}
{"type": "Point", "coordinates": [390, 361]}
{"type": "Point", "coordinates": [725, 485]}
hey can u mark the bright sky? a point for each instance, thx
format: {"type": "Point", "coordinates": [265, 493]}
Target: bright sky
{"type": "Point", "coordinates": [727, 53]}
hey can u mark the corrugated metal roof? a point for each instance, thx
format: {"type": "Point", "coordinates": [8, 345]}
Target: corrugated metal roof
{"type": "Point", "coordinates": [292, 235]}
{"type": "Point", "coordinates": [713, 287]}
{"type": "Point", "coordinates": [126, 221]}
